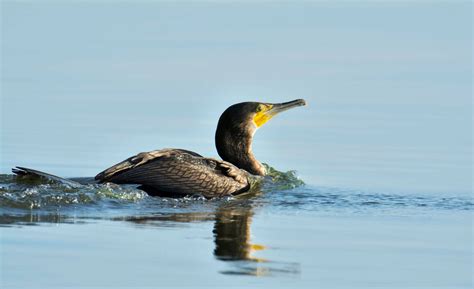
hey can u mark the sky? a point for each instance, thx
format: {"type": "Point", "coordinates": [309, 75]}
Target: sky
{"type": "Point", "coordinates": [86, 84]}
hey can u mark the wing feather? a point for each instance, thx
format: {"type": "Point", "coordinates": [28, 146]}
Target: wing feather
{"type": "Point", "coordinates": [179, 172]}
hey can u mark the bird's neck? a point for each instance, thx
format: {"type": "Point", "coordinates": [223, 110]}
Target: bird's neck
{"type": "Point", "coordinates": [236, 147]}
{"type": "Point", "coordinates": [250, 163]}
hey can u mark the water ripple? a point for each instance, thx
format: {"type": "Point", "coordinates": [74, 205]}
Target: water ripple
{"type": "Point", "coordinates": [279, 191]}
{"type": "Point", "coordinates": [323, 198]}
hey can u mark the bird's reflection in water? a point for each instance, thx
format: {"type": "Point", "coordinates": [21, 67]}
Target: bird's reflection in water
{"type": "Point", "coordinates": [232, 238]}
{"type": "Point", "coordinates": [233, 243]}
{"type": "Point", "coordinates": [232, 234]}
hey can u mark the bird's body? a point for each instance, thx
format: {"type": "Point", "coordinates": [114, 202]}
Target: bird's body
{"type": "Point", "coordinates": [178, 172]}
{"type": "Point", "coordinates": [181, 172]}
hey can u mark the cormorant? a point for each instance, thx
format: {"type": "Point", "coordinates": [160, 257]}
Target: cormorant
{"type": "Point", "coordinates": [182, 172]}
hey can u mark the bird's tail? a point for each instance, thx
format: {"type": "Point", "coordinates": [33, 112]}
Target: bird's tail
{"type": "Point", "coordinates": [21, 171]}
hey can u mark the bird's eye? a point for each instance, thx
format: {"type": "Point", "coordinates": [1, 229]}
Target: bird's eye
{"type": "Point", "coordinates": [260, 107]}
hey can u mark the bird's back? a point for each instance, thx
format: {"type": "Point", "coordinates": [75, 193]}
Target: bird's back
{"type": "Point", "coordinates": [178, 172]}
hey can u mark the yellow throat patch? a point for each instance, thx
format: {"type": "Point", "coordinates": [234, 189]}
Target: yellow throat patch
{"type": "Point", "coordinates": [262, 115]}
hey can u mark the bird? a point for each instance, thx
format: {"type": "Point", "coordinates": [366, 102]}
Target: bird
{"type": "Point", "coordinates": [180, 172]}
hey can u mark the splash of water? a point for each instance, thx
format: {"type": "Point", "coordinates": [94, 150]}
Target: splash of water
{"type": "Point", "coordinates": [278, 190]}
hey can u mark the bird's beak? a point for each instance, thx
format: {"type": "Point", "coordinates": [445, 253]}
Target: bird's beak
{"type": "Point", "coordinates": [280, 107]}
{"type": "Point", "coordinates": [271, 110]}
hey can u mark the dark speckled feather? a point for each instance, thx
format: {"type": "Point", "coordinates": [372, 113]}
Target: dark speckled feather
{"type": "Point", "coordinates": [179, 172]}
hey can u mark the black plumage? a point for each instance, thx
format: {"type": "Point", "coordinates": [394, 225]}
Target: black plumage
{"type": "Point", "coordinates": [181, 172]}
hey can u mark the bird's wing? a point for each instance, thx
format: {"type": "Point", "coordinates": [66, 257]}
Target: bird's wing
{"type": "Point", "coordinates": [179, 172]}
{"type": "Point", "coordinates": [138, 160]}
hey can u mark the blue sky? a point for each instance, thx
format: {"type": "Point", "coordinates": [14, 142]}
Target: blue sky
{"type": "Point", "coordinates": [389, 86]}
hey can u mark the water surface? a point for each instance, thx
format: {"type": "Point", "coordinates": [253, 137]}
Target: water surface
{"type": "Point", "coordinates": [284, 232]}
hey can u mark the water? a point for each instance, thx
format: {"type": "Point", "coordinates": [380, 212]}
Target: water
{"type": "Point", "coordinates": [384, 147]}
{"type": "Point", "coordinates": [290, 193]}
{"type": "Point", "coordinates": [291, 233]}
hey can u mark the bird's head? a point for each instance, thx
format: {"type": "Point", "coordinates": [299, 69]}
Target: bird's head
{"type": "Point", "coordinates": [236, 128]}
